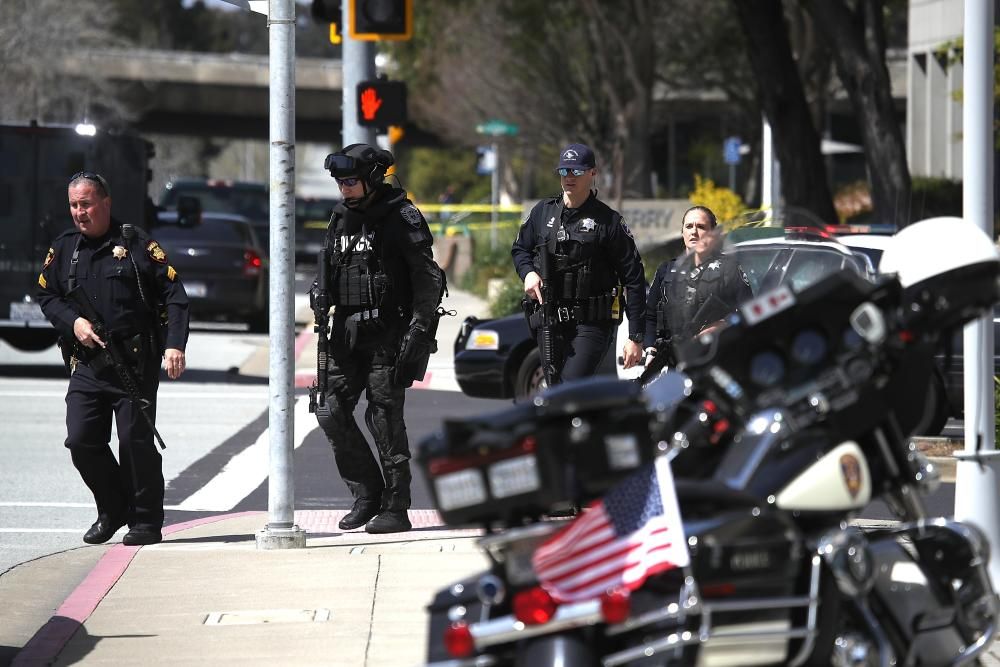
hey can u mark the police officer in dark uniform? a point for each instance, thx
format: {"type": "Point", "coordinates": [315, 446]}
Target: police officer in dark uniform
{"type": "Point", "coordinates": [385, 288]}
{"type": "Point", "coordinates": [132, 289]}
{"type": "Point", "coordinates": [689, 295]}
{"type": "Point", "coordinates": [592, 264]}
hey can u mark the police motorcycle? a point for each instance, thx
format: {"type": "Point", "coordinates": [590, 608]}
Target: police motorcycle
{"type": "Point", "coordinates": [779, 429]}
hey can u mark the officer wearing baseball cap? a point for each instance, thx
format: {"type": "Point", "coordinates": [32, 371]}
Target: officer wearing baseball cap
{"type": "Point", "coordinates": [577, 253]}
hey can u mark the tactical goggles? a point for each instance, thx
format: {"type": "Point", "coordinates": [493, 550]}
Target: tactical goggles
{"type": "Point", "coordinates": [348, 182]}
{"type": "Point", "coordinates": [93, 177]}
{"type": "Point", "coordinates": [341, 165]}
{"type": "Point", "coordinates": [575, 172]}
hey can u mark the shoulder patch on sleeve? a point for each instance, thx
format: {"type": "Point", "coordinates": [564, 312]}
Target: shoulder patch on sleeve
{"type": "Point", "coordinates": [51, 255]}
{"type": "Point", "coordinates": [628, 232]}
{"type": "Point", "coordinates": [156, 253]}
{"type": "Point", "coordinates": [42, 282]}
{"type": "Point", "coordinates": [171, 273]}
{"type": "Point", "coordinates": [411, 215]}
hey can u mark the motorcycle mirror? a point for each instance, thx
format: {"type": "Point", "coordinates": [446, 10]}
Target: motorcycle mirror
{"type": "Point", "coordinates": [869, 323]}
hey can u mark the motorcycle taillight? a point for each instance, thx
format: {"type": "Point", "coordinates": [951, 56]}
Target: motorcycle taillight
{"type": "Point", "coordinates": [458, 640]}
{"type": "Point", "coordinates": [616, 605]}
{"type": "Point", "coordinates": [251, 263]}
{"type": "Point", "coordinates": [534, 606]}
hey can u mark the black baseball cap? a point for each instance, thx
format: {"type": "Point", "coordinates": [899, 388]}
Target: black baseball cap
{"type": "Point", "coordinates": [576, 156]}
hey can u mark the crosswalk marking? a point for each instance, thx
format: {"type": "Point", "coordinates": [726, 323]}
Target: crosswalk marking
{"type": "Point", "coordinates": [248, 469]}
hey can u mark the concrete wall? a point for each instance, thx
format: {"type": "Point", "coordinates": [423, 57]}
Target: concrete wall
{"type": "Point", "coordinates": [934, 117]}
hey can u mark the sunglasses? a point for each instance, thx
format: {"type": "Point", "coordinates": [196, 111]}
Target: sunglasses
{"type": "Point", "coordinates": [575, 172]}
{"type": "Point", "coordinates": [93, 177]}
{"type": "Point", "coordinates": [348, 182]}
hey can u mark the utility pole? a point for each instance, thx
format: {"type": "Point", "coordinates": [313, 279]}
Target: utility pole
{"type": "Point", "coordinates": [359, 65]}
{"type": "Point", "coordinates": [977, 476]}
{"type": "Point", "coordinates": [281, 531]}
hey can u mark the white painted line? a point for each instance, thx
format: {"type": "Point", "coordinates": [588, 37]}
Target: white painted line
{"type": "Point", "coordinates": [246, 470]}
{"type": "Point", "coordinates": [43, 530]}
{"type": "Point", "coordinates": [16, 503]}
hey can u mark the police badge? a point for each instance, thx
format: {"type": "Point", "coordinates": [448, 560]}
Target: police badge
{"type": "Point", "coordinates": [587, 225]}
{"type": "Point", "coordinates": [628, 232]}
{"type": "Point", "coordinates": [411, 215]}
{"type": "Point", "coordinates": [156, 253]}
{"type": "Point", "coordinates": [119, 252]}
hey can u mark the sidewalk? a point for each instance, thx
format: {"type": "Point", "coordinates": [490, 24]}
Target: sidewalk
{"type": "Point", "coordinates": [206, 595]}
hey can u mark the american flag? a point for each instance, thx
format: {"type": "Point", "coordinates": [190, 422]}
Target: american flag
{"type": "Point", "coordinates": [631, 533]}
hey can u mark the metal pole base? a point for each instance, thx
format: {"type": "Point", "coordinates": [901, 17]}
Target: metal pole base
{"type": "Point", "coordinates": [977, 479]}
{"type": "Point", "coordinates": [281, 538]}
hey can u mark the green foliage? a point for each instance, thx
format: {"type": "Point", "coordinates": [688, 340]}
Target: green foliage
{"type": "Point", "coordinates": [953, 52]}
{"type": "Point", "coordinates": [934, 197]}
{"type": "Point", "coordinates": [508, 301]}
{"type": "Point", "coordinates": [427, 172]}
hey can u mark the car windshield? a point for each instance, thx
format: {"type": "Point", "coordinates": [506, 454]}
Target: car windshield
{"type": "Point", "coordinates": [210, 229]}
{"type": "Point", "coordinates": [792, 250]}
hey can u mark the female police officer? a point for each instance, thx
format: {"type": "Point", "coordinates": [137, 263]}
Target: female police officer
{"type": "Point", "coordinates": [386, 287]}
{"type": "Point", "coordinates": [576, 253]}
{"type": "Point", "coordinates": [691, 294]}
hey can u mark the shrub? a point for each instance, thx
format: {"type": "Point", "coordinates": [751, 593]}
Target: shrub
{"type": "Point", "coordinates": [725, 203]}
{"type": "Point", "coordinates": [852, 200]}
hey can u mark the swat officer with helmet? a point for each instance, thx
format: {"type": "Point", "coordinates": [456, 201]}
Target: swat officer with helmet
{"type": "Point", "coordinates": [385, 289]}
{"type": "Point", "coordinates": [593, 265]}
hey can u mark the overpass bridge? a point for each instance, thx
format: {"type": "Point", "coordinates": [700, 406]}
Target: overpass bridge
{"type": "Point", "coordinates": [213, 94]}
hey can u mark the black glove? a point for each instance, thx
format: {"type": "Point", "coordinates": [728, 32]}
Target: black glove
{"type": "Point", "coordinates": [415, 350]}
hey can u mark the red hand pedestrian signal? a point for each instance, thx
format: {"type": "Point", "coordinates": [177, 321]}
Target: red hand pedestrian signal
{"type": "Point", "coordinates": [381, 103]}
{"type": "Point", "coordinates": [370, 103]}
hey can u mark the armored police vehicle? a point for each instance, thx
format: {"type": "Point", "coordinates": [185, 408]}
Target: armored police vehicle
{"type": "Point", "coordinates": [36, 169]}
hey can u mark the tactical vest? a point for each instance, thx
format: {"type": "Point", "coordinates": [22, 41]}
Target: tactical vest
{"type": "Point", "coordinates": [357, 276]}
{"type": "Point", "coordinates": [573, 280]}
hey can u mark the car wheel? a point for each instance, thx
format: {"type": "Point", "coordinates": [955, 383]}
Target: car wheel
{"type": "Point", "coordinates": [530, 379]}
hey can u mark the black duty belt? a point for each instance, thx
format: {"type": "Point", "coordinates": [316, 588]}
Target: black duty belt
{"type": "Point", "coordinates": [596, 309]}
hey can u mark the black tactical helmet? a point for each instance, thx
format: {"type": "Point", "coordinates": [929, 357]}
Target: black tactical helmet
{"type": "Point", "coordinates": [361, 160]}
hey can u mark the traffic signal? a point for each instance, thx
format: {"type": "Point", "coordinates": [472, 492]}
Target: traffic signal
{"type": "Point", "coordinates": [326, 11]}
{"type": "Point", "coordinates": [381, 103]}
{"type": "Point", "coordinates": [373, 20]}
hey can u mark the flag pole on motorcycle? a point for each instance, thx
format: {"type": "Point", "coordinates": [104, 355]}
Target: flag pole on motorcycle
{"type": "Point", "coordinates": [977, 477]}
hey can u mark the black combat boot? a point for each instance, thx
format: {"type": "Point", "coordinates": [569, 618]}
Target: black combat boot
{"type": "Point", "coordinates": [362, 512]}
{"type": "Point", "coordinates": [103, 529]}
{"type": "Point", "coordinates": [389, 521]}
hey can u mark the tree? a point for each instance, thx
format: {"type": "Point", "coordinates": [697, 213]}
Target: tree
{"type": "Point", "coordinates": [33, 48]}
{"type": "Point", "coordinates": [803, 173]}
{"type": "Point", "coordinates": [855, 33]}
{"type": "Point", "coordinates": [562, 70]}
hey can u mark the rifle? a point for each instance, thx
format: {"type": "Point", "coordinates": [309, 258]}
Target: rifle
{"type": "Point", "coordinates": [546, 342]}
{"type": "Point", "coordinates": [713, 310]}
{"type": "Point", "coordinates": [664, 357]}
{"type": "Point", "coordinates": [320, 298]}
{"type": "Point", "coordinates": [113, 355]}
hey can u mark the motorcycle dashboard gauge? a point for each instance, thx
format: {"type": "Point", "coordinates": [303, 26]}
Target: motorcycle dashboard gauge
{"type": "Point", "coordinates": [809, 347]}
{"type": "Point", "coordinates": [767, 368]}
